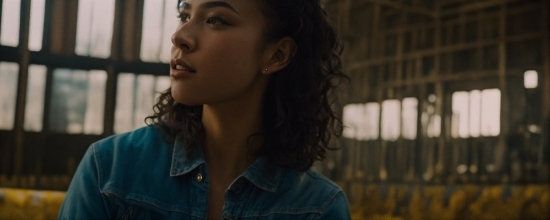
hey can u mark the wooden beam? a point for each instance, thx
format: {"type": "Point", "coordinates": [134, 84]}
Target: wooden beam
{"type": "Point", "coordinates": [468, 5]}
{"type": "Point", "coordinates": [22, 87]}
{"type": "Point", "coordinates": [500, 149]}
{"type": "Point", "coordinates": [464, 76]}
{"type": "Point", "coordinates": [449, 48]}
{"type": "Point", "coordinates": [545, 78]}
{"type": "Point", "coordinates": [398, 6]}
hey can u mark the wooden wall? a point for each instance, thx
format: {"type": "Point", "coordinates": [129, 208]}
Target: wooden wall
{"type": "Point", "coordinates": [414, 48]}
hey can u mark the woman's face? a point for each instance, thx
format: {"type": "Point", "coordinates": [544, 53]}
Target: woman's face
{"type": "Point", "coordinates": [217, 51]}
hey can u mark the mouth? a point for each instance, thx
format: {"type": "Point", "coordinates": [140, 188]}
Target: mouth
{"type": "Point", "coordinates": [180, 68]}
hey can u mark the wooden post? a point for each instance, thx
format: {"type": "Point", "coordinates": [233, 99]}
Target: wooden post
{"type": "Point", "coordinates": [500, 149]}
{"type": "Point", "coordinates": [544, 166]}
{"type": "Point", "coordinates": [24, 58]}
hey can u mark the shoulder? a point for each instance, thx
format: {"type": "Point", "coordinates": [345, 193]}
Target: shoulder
{"type": "Point", "coordinates": [142, 141]}
{"type": "Point", "coordinates": [138, 137]}
{"type": "Point", "coordinates": [336, 205]}
{"type": "Point", "coordinates": [318, 190]}
{"type": "Point", "coordinates": [310, 181]}
{"type": "Point", "coordinates": [131, 156]}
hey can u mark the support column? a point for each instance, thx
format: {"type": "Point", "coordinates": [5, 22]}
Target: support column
{"type": "Point", "coordinates": [500, 150]}
{"type": "Point", "coordinates": [544, 148]}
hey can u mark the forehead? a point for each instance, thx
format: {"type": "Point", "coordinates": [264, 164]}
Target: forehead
{"type": "Point", "coordinates": [244, 6]}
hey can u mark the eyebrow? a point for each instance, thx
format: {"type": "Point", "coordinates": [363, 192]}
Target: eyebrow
{"type": "Point", "coordinates": [208, 5]}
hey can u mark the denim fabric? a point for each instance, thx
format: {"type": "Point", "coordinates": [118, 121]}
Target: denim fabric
{"type": "Point", "coordinates": [137, 175]}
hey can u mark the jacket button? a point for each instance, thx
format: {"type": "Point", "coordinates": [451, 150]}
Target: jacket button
{"type": "Point", "coordinates": [199, 177]}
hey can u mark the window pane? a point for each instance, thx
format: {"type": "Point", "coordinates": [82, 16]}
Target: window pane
{"type": "Point", "coordinates": [372, 119]}
{"type": "Point", "coordinates": [352, 119]}
{"type": "Point", "coordinates": [161, 85]}
{"type": "Point", "coordinates": [475, 113]}
{"type": "Point", "coordinates": [93, 120]}
{"type": "Point", "coordinates": [391, 123]}
{"type": "Point", "coordinates": [169, 27]}
{"type": "Point", "coordinates": [36, 25]}
{"type": "Point", "coordinates": [95, 28]}
{"type": "Point", "coordinates": [152, 26]}
{"type": "Point", "coordinates": [434, 126]}
{"type": "Point", "coordinates": [490, 112]}
{"type": "Point", "coordinates": [530, 79]}
{"type": "Point", "coordinates": [143, 99]}
{"type": "Point", "coordinates": [83, 27]}
{"type": "Point", "coordinates": [159, 23]}
{"type": "Point", "coordinates": [431, 119]}
{"type": "Point", "coordinates": [9, 28]}
{"type": "Point", "coordinates": [409, 117]}
{"type": "Point", "coordinates": [361, 132]}
{"type": "Point", "coordinates": [75, 107]}
{"type": "Point", "coordinates": [69, 101]}
{"type": "Point", "coordinates": [34, 109]}
{"type": "Point", "coordinates": [8, 92]}
{"type": "Point", "coordinates": [124, 103]}
{"type": "Point", "coordinates": [133, 105]}
{"type": "Point", "coordinates": [460, 107]}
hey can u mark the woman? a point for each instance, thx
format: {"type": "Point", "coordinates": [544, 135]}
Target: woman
{"type": "Point", "coordinates": [247, 115]}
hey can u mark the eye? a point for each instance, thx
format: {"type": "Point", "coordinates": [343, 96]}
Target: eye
{"type": "Point", "coordinates": [184, 17]}
{"type": "Point", "coordinates": [214, 20]}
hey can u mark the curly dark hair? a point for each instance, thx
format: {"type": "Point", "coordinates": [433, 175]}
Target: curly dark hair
{"type": "Point", "coordinates": [298, 120]}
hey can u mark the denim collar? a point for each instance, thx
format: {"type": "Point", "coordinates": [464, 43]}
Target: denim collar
{"type": "Point", "coordinates": [261, 173]}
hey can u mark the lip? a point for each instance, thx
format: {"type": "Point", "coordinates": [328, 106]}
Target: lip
{"type": "Point", "coordinates": [176, 73]}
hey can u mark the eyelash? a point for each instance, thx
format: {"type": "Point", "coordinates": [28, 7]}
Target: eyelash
{"type": "Point", "coordinates": [184, 17]}
{"type": "Point", "coordinates": [213, 19]}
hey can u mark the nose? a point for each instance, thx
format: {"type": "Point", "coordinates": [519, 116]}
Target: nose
{"type": "Point", "coordinates": [184, 38]}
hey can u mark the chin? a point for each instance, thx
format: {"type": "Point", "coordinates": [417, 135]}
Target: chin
{"type": "Point", "coordinates": [186, 100]}
{"type": "Point", "coordinates": [183, 97]}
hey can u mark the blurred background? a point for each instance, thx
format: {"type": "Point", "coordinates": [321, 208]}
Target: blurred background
{"type": "Point", "coordinates": [447, 113]}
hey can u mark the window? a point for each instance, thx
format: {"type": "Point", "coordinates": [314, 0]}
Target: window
{"type": "Point", "coordinates": [135, 99]}
{"type": "Point", "coordinates": [78, 101]}
{"type": "Point", "coordinates": [159, 23]}
{"type": "Point", "coordinates": [8, 92]}
{"type": "Point", "coordinates": [460, 114]}
{"type": "Point", "coordinates": [409, 117]}
{"type": "Point", "coordinates": [476, 113]}
{"type": "Point", "coordinates": [530, 79]}
{"type": "Point", "coordinates": [372, 117]}
{"type": "Point", "coordinates": [95, 28]}
{"type": "Point", "coordinates": [34, 109]}
{"type": "Point", "coordinates": [391, 123]}
{"type": "Point", "coordinates": [352, 116]}
{"type": "Point", "coordinates": [36, 28]}
{"type": "Point", "coordinates": [490, 112]}
{"type": "Point", "coordinates": [9, 26]}
{"type": "Point", "coordinates": [431, 119]}
{"type": "Point", "coordinates": [361, 121]}
{"type": "Point", "coordinates": [434, 126]}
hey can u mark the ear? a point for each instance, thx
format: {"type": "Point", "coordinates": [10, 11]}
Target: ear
{"type": "Point", "coordinates": [278, 55]}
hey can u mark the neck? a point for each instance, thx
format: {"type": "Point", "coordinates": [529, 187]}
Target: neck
{"type": "Point", "coordinates": [228, 150]}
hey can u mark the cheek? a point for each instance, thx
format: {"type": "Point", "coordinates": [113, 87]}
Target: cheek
{"type": "Point", "coordinates": [234, 61]}
{"type": "Point", "coordinates": [228, 68]}
{"type": "Point", "coordinates": [235, 54]}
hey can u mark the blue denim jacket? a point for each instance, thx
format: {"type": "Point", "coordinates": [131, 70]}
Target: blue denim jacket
{"type": "Point", "coordinates": [137, 175]}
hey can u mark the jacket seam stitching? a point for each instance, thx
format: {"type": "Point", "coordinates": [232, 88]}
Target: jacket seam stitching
{"type": "Point", "coordinates": [97, 161]}
{"type": "Point", "coordinates": [152, 204]}
{"type": "Point", "coordinates": [329, 202]}
{"type": "Point", "coordinates": [287, 213]}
